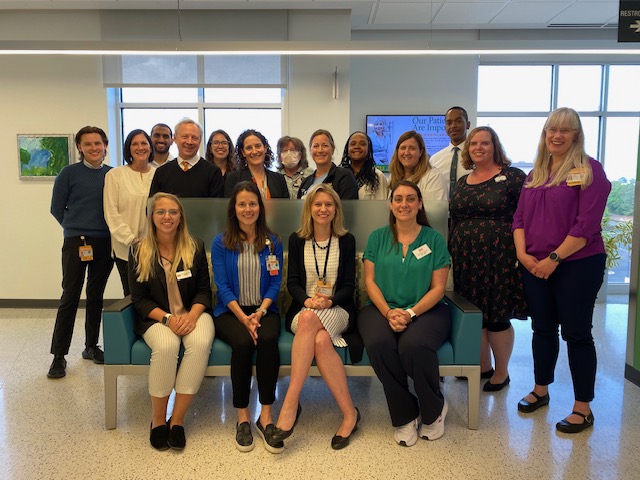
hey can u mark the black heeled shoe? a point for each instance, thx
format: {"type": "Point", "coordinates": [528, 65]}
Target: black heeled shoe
{"type": "Point", "coordinates": [338, 442]}
{"type": "Point", "coordinates": [280, 435]}
{"type": "Point", "coordinates": [158, 436]}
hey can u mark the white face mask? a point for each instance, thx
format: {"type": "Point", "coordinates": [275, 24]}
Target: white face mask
{"type": "Point", "coordinates": [290, 159]}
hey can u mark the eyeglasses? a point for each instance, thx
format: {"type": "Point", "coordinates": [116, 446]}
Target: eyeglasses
{"type": "Point", "coordinates": [561, 131]}
{"type": "Point", "coordinates": [161, 212]}
{"type": "Point", "coordinates": [217, 143]}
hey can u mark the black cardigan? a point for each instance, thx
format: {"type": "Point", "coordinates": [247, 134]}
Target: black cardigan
{"type": "Point", "coordinates": [275, 181]}
{"type": "Point", "coordinates": [345, 287]}
{"type": "Point", "coordinates": [341, 179]}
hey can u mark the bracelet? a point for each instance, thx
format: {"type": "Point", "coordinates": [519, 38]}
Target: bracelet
{"type": "Point", "coordinates": [386, 317]}
{"type": "Point", "coordinates": [263, 311]}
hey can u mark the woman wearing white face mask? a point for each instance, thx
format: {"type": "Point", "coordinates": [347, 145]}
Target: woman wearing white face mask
{"type": "Point", "coordinates": [292, 163]}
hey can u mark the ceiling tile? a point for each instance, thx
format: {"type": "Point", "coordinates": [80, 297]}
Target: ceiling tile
{"type": "Point", "coordinates": [468, 13]}
{"type": "Point", "coordinates": [403, 14]}
{"type": "Point", "coordinates": [587, 12]}
{"type": "Point", "coordinates": [529, 13]}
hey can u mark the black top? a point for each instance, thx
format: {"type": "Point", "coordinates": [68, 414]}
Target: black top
{"type": "Point", "coordinates": [341, 179]}
{"type": "Point", "coordinates": [204, 179]}
{"type": "Point", "coordinates": [275, 182]}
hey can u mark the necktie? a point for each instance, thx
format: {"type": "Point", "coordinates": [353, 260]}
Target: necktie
{"type": "Point", "coordinates": [453, 175]}
{"type": "Point", "coordinates": [185, 166]}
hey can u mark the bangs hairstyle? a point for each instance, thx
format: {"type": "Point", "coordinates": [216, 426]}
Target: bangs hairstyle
{"type": "Point", "coordinates": [126, 150]}
{"type": "Point", "coordinates": [421, 218]}
{"type": "Point", "coordinates": [397, 169]}
{"type": "Point", "coordinates": [86, 130]}
{"type": "Point", "coordinates": [230, 160]}
{"type": "Point", "coordinates": [306, 223]}
{"type": "Point", "coordinates": [147, 254]}
{"type": "Point", "coordinates": [233, 234]}
{"type": "Point", "coordinates": [299, 145]}
{"type": "Point", "coordinates": [575, 157]}
{"type": "Point", "coordinates": [240, 157]}
{"type": "Point", "coordinates": [367, 174]}
{"type": "Point", "coordinates": [499, 155]}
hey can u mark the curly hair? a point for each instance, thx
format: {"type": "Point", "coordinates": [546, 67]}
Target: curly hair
{"type": "Point", "coordinates": [241, 159]}
{"type": "Point", "coordinates": [367, 174]}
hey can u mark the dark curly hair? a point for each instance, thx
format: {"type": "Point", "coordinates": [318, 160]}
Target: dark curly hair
{"type": "Point", "coordinates": [241, 159]}
{"type": "Point", "coordinates": [367, 174]}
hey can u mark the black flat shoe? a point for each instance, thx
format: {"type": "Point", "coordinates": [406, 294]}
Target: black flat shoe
{"type": "Point", "coordinates": [176, 438]}
{"type": "Point", "coordinates": [338, 442]}
{"type": "Point", "coordinates": [158, 437]}
{"type": "Point", "coordinates": [266, 433]}
{"type": "Point", "coordinates": [528, 407]}
{"type": "Point", "coordinates": [566, 426]}
{"type": "Point", "coordinates": [496, 387]}
{"type": "Point", "coordinates": [487, 374]}
{"type": "Point", "coordinates": [280, 435]}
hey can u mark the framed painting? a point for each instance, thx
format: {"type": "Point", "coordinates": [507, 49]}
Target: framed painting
{"type": "Point", "coordinates": [43, 156]}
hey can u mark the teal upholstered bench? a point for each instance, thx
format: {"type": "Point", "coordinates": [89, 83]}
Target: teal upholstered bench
{"type": "Point", "coordinates": [127, 354]}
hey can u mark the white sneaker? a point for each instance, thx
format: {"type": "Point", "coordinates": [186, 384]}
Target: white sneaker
{"type": "Point", "coordinates": [407, 435]}
{"type": "Point", "coordinates": [436, 429]}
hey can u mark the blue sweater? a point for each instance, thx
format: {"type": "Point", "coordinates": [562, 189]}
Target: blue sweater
{"type": "Point", "coordinates": [76, 202]}
{"type": "Point", "coordinates": [225, 274]}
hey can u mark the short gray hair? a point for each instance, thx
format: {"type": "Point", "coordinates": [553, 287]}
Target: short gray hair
{"type": "Point", "coordinates": [186, 121]}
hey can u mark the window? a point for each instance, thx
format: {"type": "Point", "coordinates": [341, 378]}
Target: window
{"type": "Point", "coordinates": [516, 99]}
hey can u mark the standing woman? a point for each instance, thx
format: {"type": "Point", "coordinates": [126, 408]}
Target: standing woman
{"type": "Point", "coordinates": [557, 233]}
{"type": "Point", "coordinates": [410, 162]}
{"type": "Point", "coordinates": [220, 152]}
{"type": "Point", "coordinates": [126, 191]}
{"type": "Point", "coordinates": [292, 163]}
{"type": "Point", "coordinates": [170, 290]}
{"type": "Point", "coordinates": [341, 179]}
{"type": "Point", "coordinates": [406, 265]}
{"type": "Point", "coordinates": [254, 157]}
{"type": "Point", "coordinates": [485, 267]}
{"type": "Point", "coordinates": [321, 280]}
{"type": "Point", "coordinates": [358, 157]}
{"type": "Point", "coordinates": [247, 270]}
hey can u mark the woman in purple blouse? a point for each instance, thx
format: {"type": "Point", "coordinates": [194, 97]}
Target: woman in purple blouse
{"type": "Point", "coordinates": [556, 230]}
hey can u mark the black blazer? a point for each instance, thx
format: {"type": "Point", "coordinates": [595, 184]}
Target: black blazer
{"type": "Point", "coordinates": [275, 181]}
{"type": "Point", "coordinates": [341, 179]}
{"type": "Point", "coordinates": [153, 293]}
{"type": "Point", "coordinates": [345, 287]}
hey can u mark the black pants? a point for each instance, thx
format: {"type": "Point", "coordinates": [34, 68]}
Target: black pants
{"type": "Point", "coordinates": [123, 270]}
{"type": "Point", "coordinates": [229, 329]}
{"type": "Point", "coordinates": [566, 300]}
{"type": "Point", "coordinates": [73, 273]}
{"type": "Point", "coordinates": [413, 353]}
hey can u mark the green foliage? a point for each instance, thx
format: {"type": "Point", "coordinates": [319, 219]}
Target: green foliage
{"type": "Point", "coordinates": [617, 236]}
{"type": "Point", "coordinates": [25, 156]}
{"type": "Point", "coordinates": [620, 200]}
{"type": "Point", "coordinates": [59, 152]}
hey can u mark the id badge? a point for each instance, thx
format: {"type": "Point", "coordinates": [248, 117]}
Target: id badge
{"type": "Point", "coordinates": [422, 251]}
{"type": "Point", "coordinates": [183, 274]}
{"type": "Point", "coordinates": [324, 288]}
{"type": "Point", "coordinates": [576, 177]}
{"type": "Point", "coordinates": [273, 265]}
{"type": "Point", "coordinates": [86, 253]}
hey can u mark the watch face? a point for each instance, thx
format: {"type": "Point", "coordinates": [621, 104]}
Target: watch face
{"type": "Point", "coordinates": [554, 256]}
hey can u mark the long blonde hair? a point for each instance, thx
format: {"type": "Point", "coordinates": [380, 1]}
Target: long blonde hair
{"type": "Point", "coordinates": [147, 254]}
{"type": "Point", "coordinates": [397, 169]}
{"type": "Point", "coordinates": [306, 223]}
{"type": "Point", "coordinates": [576, 157]}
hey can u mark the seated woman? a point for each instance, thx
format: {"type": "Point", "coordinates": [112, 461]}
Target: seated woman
{"type": "Point", "coordinates": [358, 157]}
{"type": "Point", "coordinates": [254, 157]}
{"type": "Point", "coordinates": [341, 179]}
{"type": "Point", "coordinates": [247, 270]}
{"type": "Point", "coordinates": [292, 163]}
{"type": "Point", "coordinates": [171, 292]}
{"type": "Point", "coordinates": [406, 266]}
{"type": "Point", "coordinates": [220, 152]}
{"type": "Point", "coordinates": [321, 280]}
{"type": "Point", "coordinates": [410, 161]}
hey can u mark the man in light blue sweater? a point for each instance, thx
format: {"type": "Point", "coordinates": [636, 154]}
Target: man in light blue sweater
{"type": "Point", "coordinates": [76, 204]}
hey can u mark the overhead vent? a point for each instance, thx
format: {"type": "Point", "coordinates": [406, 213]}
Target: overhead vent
{"type": "Point", "coordinates": [582, 25]}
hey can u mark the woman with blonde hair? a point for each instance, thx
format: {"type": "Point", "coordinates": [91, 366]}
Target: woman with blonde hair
{"type": "Point", "coordinates": [171, 292]}
{"type": "Point", "coordinates": [410, 162]}
{"type": "Point", "coordinates": [321, 280]}
{"type": "Point", "coordinates": [557, 234]}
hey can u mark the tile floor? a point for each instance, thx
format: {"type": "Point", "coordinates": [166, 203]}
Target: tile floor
{"type": "Point", "coordinates": [54, 429]}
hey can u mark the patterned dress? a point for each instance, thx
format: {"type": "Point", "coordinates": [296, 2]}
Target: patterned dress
{"type": "Point", "coordinates": [485, 267]}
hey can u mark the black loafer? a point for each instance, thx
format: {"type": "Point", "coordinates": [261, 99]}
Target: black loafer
{"type": "Point", "coordinates": [280, 435]}
{"type": "Point", "coordinates": [58, 367]}
{"type": "Point", "coordinates": [176, 438]}
{"type": "Point", "coordinates": [528, 407]}
{"type": "Point", "coordinates": [244, 439]}
{"type": "Point", "coordinates": [496, 387]}
{"type": "Point", "coordinates": [338, 442]}
{"type": "Point", "coordinates": [566, 426]}
{"type": "Point", "coordinates": [158, 436]}
{"type": "Point", "coordinates": [266, 434]}
{"type": "Point", "coordinates": [487, 374]}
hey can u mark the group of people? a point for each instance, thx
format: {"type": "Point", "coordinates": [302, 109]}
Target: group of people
{"type": "Point", "coordinates": [518, 245]}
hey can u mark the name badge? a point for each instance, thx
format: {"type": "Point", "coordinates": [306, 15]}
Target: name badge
{"type": "Point", "coordinates": [273, 265]}
{"type": "Point", "coordinates": [86, 253]}
{"type": "Point", "coordinates": [422, 251]}
{"type": "Point", "coordinates": [576, 177]}
{"type": "Point", "coordinates": [324, 288]}
{"type": "Point", "coordinates": [183, 274]}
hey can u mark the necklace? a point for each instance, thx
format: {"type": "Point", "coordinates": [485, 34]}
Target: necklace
{"type": "Point", "coordinates": [320, 246]}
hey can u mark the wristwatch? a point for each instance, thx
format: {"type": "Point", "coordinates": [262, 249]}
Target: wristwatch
{"type": "Point", "coordinates": [555, 257]}
{"type": "Point", "coordinates": [263, 311]}
{"type": "Point", "coordinates": [166, 318]}
{"type": "Point", "coordinates": [411, 313]}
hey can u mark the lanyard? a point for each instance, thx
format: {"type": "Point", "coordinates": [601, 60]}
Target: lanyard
{"type": "Point", "coordinates": [326, 259]}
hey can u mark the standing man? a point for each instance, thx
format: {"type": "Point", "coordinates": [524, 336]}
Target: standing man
{"type": "Point", "coordinates": [190, 175]}
{"type": "Point", "coordinates": [161, 139]}
{"type": "Point", "coordinates": [456, 125]}
{"type": "Point", "coordinates": [76, 204]}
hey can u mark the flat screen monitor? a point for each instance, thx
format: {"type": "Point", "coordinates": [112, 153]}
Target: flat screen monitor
{"type": "Point", "coordinates": [384, 131]}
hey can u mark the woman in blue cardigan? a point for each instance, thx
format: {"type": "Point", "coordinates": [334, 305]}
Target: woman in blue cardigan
{"type": "Point", "coordinates": [247, 270]}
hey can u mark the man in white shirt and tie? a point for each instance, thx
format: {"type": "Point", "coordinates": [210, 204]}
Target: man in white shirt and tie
{"type": "Point", "coordinates": [456, 125]}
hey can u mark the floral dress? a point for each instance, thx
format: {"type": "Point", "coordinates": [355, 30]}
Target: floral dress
{"type": "Point", "coordinates": [485, 267]}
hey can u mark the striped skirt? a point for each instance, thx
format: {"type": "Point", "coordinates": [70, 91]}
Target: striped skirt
{"type": "Point", "coordinates": [335, 320]}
